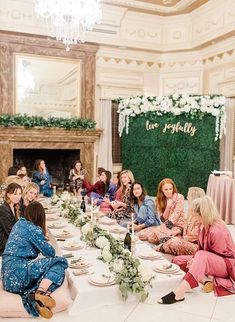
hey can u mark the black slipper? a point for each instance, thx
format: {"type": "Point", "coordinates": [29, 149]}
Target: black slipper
{"type": "Point", "coordinates": [169, 299]}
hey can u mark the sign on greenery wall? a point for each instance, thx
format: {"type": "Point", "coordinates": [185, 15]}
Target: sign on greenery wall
{"type": "Point", "coordinates": [181, 144]}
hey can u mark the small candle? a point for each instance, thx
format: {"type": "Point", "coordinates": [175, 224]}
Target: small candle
{"type": "Point", "coordinates": [132, 224]}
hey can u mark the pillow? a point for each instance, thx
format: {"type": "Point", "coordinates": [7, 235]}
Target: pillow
{"type": "Point", "coordinates": [11, 304]}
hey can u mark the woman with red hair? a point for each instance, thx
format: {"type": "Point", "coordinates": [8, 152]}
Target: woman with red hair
{"type": "Point", "coordinates": [170, 207]}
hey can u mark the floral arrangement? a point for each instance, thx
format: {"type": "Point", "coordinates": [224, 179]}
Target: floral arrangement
{"type": "Point", "coordinates": [176, 104]}
{"type": "Point", "coordinates": [27, 121]}
{"type": "Point", "coordinates": [130, 275]}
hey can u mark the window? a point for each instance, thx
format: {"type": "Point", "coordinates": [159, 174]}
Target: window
{"type": "Point", "coordinates": [116, 142]}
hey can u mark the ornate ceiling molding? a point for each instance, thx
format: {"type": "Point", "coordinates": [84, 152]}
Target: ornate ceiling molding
{"type": "Point", "coordinates": [161, 7]}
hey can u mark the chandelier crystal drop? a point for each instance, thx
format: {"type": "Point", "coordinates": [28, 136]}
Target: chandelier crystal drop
{"type": "Point", "coordinates": [69, 19]}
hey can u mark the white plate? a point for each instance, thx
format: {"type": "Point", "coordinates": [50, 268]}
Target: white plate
{"type": "Point", "coordinates": [56, 225]}
{"type": "Point", "coordinates": [50, 218]}
{"type": "Point", "coordinates": [102, 280]}
{"type": "Point", "coordinates": [51, 211]}
{"type": "Point", "coordinates": [118, 230]}
{"type": "Point", "coordinates": [160, 269]}
{"type": "Point", "coordinates": [63, 234]}
{"type": "Point", "coordinates": [80, 264]}
{"type": "Point", "coordinates": [101, 285]}
{"type": "Point", "coordinates": [73, 247]}
{"type": "Point", "coordinates": [150, 255]}
{"type": "Point", "coordinates": [107, 221]}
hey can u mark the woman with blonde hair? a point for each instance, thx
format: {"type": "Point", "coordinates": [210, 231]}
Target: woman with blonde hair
{"type": "Point", "coordinates": [121, 206]}
{"type": "Point", "coordinates": [30, 194]}
{"type": "Point", "coordinates": [188, 243]}
{"type": "Point", "coordinates": [170, 207]}
{"type": "Point", "coordinates": [214, 262]}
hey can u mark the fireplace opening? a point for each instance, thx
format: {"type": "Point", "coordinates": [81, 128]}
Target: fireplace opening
{"type": "Point", "coordinates": [58, 162]}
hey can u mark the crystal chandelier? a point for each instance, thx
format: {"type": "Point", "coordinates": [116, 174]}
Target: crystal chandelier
{"type": "Point", "coordinates": [69, 19]}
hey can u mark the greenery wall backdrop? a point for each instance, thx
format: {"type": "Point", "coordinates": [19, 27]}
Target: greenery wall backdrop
{"type": "Point", "coordinates": [153, 154]}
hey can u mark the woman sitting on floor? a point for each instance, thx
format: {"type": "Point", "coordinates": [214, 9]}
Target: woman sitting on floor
{"type": "Point", "coordinates": [170, 206]}
{"type": "Point", "coordinates": [214, 262]}
{"type": "Point", "coordinates": [9, 212]}
{"type": "Point", "coordinates": [42, 178]}
{"type": "Point", "coordinates": [30, 194]}
{"type": "Point", "coordinates": [23, 273]}
{"type": "Point", "coordinates": [188, 243]}
{"type": "Point", "coordinates": [145, 214]}
{"type": "Point", "coordinates": [103, 188]}
{"type": "Point", "coordinates": [121, 206]}
{"type": "Point", "coordinates": [76, 178]}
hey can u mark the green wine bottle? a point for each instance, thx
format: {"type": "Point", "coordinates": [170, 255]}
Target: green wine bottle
{"type": "Point", "coordinates": [127, 239]}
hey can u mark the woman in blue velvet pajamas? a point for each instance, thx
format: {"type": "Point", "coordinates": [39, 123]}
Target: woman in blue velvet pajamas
{"type": "Point", "coordinates": [26, 274]}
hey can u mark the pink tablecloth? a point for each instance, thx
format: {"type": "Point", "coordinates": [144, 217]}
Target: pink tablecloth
{"type": "Point", "coordinates": [222, 190]}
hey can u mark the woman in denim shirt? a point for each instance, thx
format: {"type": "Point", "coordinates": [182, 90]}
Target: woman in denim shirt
{"type": "Point", "coordinates": [144, 207]}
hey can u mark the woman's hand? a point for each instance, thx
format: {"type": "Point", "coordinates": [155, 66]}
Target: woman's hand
{"type": "Point", "coordinates": [169, 203]}
{"type": "Point", "coordinates": [138, 227]}
{"type": "Point", "coordinates": [106, 200]}
{"type": "Point", "coordinates": [117, 204]}
{"type": "Point", "coordinates": [189, 263]}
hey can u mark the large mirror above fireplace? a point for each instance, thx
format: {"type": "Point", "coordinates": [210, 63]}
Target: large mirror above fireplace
{"type": "Point", "coordinates": [47, 86]}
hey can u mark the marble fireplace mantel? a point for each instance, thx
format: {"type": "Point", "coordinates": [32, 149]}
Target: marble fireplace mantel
{"type": "Point", "coordinates": [47, 138]}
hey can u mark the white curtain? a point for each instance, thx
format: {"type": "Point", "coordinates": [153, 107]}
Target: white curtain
{"type": "Point", "coordinates": [226, 147]}
{"type": "Point", "coordinates": [105, 146]}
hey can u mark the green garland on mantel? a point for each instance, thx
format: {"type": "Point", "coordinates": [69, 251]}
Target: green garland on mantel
{"type": "Point", "coordinates": [73, 123]}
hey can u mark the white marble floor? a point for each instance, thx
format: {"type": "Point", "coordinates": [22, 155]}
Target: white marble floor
{"type": "Point", "coordinates": [198, 307]}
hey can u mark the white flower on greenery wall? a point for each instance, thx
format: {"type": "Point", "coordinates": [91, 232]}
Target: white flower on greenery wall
{"type": "Point", "coordinates": [176, 104]}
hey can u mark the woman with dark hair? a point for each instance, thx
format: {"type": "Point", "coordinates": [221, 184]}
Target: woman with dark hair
{"type": "Point", "coordinates": [42, 178]}
{"type": "Point", "coordinates": [103, 188]}
{"type": "Point", "coordinates": [9, 212]}
{"type": "Point", "coordinates": [76, 178]}
{"type": "Point", "coordinates": [23, 272]}
{"type": "Point", "coordinates": [145, 214]}
{"type": "Point", "coordinates": [170, 207]}
{"type": "Point", "coordinates": [13, 171]}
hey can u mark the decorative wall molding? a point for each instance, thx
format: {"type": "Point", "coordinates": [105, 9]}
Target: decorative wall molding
{"type": "Point", "coordinates": [180, 83]}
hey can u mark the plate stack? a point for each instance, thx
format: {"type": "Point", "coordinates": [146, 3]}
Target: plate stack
{"type": "Point", "coordinates": [72, 245]}
{"type": "Point", "coordinates": [107, 221]}
{"type": "Point", "coordinates": [101, 280]}
{"type": "Point", "coordinates": [63, 234]}
{"type": "Point", "coordinates": [166, 268]}
{"type": "Point", "coordinates": [150, 255]}
{"type": "Point", "coordinates": [56, 225]}
{"type": "Point", "coordinates": [79, 263]}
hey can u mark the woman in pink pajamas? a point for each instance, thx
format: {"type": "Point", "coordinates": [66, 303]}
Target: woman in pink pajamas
{"type": "Point", "coordinates": [188, 243]}
{"type": "Point", "coordinates": [214, 262]}
{"type": "Point", "coordinates": [170, 207]}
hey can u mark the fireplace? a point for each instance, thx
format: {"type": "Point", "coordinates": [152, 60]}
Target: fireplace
{"type": "Point", "coordinates": [58, 147]}
{"type": "Point", "coordinates": [58, 162]}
